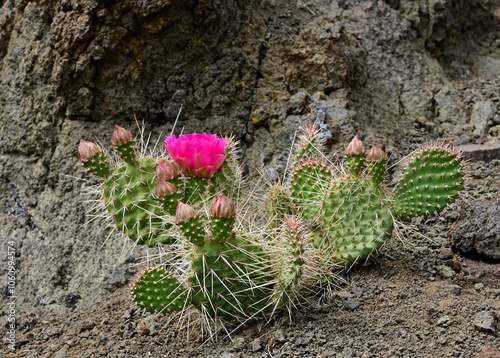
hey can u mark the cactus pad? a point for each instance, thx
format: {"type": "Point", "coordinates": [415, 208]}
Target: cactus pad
{"type": "Point", "coordinates": [431, 181]}
{"type": "Point", "coordinates": [156, 290]}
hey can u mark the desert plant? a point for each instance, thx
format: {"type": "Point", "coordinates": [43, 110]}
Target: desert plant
{"type": "Point", "coordinates": [324, 218]}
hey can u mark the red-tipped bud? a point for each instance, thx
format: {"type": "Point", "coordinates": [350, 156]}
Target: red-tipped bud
{"type": "Point", "coordinates": [184, 212]}
{"type": "Point", "coordinates": [166, 170]}
{"type": "Point", "coordinates": [164, 188]}
{"type": "Point", "coordinates": [222, 207]}
{"type": "Point", "coordinates": [121, 136]}
{"type": "Point", "coordinates": [87, 149]}
{"type": "Point", "coordinates": [376, 154]}
{"type": "Point", "coordinates": [356, 147]}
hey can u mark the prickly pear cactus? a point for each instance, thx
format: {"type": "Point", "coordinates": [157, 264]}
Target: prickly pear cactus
{"type": "Point", "coordinates": [352, 214]}
{"type": "Point", "coordinates": [233, 267]}
{"type": "Point", "coordinates": [140, 191]}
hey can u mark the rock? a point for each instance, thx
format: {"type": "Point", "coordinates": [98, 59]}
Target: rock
{"type": "Point", "coordinates": [482, 116]}
{"type": "Point", "coordinates": [478, 229]}
{"type": "Point", "coordinates": [446, 253]}
{"type": "Point", "coordinates": [490, 352]}
{"type": "Point", "coordinates": [351, 303]}
{"type": "Point", "coordinates": [485, 153]}
{"type": "Point", "coordinates": [485, 321]}
{"type": "Point", "coordinates": [255, 345]}
{"type": "Point", "coordinates": [444, 321]}
{"type": "Point", "coordinates": [486, 66]}
{"type": "Point", "coordinates": [279, 335]}
{"type": "Point", "coordinates": [479, 287]}
{"type": "Point", "coordinates": [305, 339]}
{"type": "Point", "coordinates": [446, 272]}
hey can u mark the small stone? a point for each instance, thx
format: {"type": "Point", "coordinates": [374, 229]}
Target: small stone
{"type": "Point", "coordinates": [490, 352]}
{"type": "Point", "coordinates": [351, 304]}
{"type": "Point", "coordinates": [444, 321]}
{"type": "Point", "coordinates": [304, 340]}
{"type": "Point", "coordinates": [279, 335]}
{"type": "Point", "coordinates": [457, 290]}
{"type": "Point", "coordinates": [445, 271]}
{"type": "Point", "coordinates": [255, 345]}
{"type": "Point", "coordinates": [445, 254]}
{"type": "Point", "coordinates": [485, 321]}
{"type": "Point", "coordinates": [239, 343]}
{"type": "Point", "coordinates": [479, 287]}
{"type": "Point", "coordinates": [357, 291]}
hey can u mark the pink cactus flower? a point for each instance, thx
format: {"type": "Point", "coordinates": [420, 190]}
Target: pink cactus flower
{"type": "Point", "coordinates": [87, 149]}
{"type": "Point", "coordinates": [198, 155]}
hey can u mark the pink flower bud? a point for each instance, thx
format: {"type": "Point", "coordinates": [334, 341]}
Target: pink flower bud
{"type": "Point", "coordinates": [164, 188]}
{"type": "Point", "coordinates": [184, 212]}
{"type": "Point", "coordinates": [356, 147]}
{"type": "Point", "coordinates": [166, 170]}
{"type": "Point", "coordinates": [87, 149]}
{"type": "Point", "coordinates": [222, 207]}
{"type": "Point", "coordinates": [121, 136]}
{"type": "Point", "coordinates": [376, 154]}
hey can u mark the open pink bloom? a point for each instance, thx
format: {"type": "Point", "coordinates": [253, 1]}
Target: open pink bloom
{"type": "Point", "coordinates": [198, 155]}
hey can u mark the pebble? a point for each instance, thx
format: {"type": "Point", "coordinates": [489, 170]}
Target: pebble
{"type": "Point", "coordinates": [444, 321]}
{"type": "Point", "coordinates": [255, 345]}
{"type": "Point", "coordinates": [485, 321]}
{"type": "Point", "coordinates": [479, 287]}
{"type": "Point", "coordinates": [446, 272]}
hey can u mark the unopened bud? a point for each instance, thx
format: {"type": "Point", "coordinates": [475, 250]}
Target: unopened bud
{"type": "Point", "coordinates": [376, 154]}
{"type": "Point", "coordinates": [164, 188]}
{"type": "Point", "coordinates": [184, 212]}
{"type": "Point", "coordinates": [356, 147]}
{"type": "Point", "coordinates": [222, 207]}
{"type": "Point", "coordinates": [166, 170]}
{"type": "Point", "coordinates": [121, 136]}
{"type": "Point", "coordinates": [87, 149]}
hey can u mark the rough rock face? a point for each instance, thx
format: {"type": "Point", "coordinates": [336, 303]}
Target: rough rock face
{"type": "Point", "coordinates": [476, 233]}
{"type": "Point", "coordinates": [397, 72]}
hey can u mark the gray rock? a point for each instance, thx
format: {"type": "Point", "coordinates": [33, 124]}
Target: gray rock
{"type": "Point", "coordinates": [484, 152]}
{"type": "Point", "coordinates": [478, 229]}
{"type": "Point", "coordinates": [446, 271]}
{"type": "Point", "coordinates": [482, 116]}
{"type": "Point", "coordinates": [485, 321]}
{"type": "Point", "coordinates": [444, 321]}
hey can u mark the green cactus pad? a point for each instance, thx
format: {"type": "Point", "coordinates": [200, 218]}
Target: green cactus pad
{"type": "Point", "coordinates": [169, 203]}
{"type": "Point", "coordinates": [356, 163]}
{"type": "Point", "coordinates": [292, 259]}
{"type": "Point", "coordinates": [127, 152]}
{"type": "Point", "coordinates": [377, 171]}
{"type": "Point", "coordinates": [308, 146]}
{"type": "Point", "coordinates": [97, 165]}
{"type": "Point", "coordinates": [309, 182]}
{"type": "Point", "coordinates": [193, 231]}
{"type": "Point", "coordinates": [431, 181]}
{"type": "Point", "coordinates": [156, 290]}
{"type": "Point", "coordinates": [129, 197]}
{"type": "Point", "coordinates": [229, 280]}
{"type": "Point", "coordinates": [222, 228]}
{"type": "Point", "coordinates": [357, 220]}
